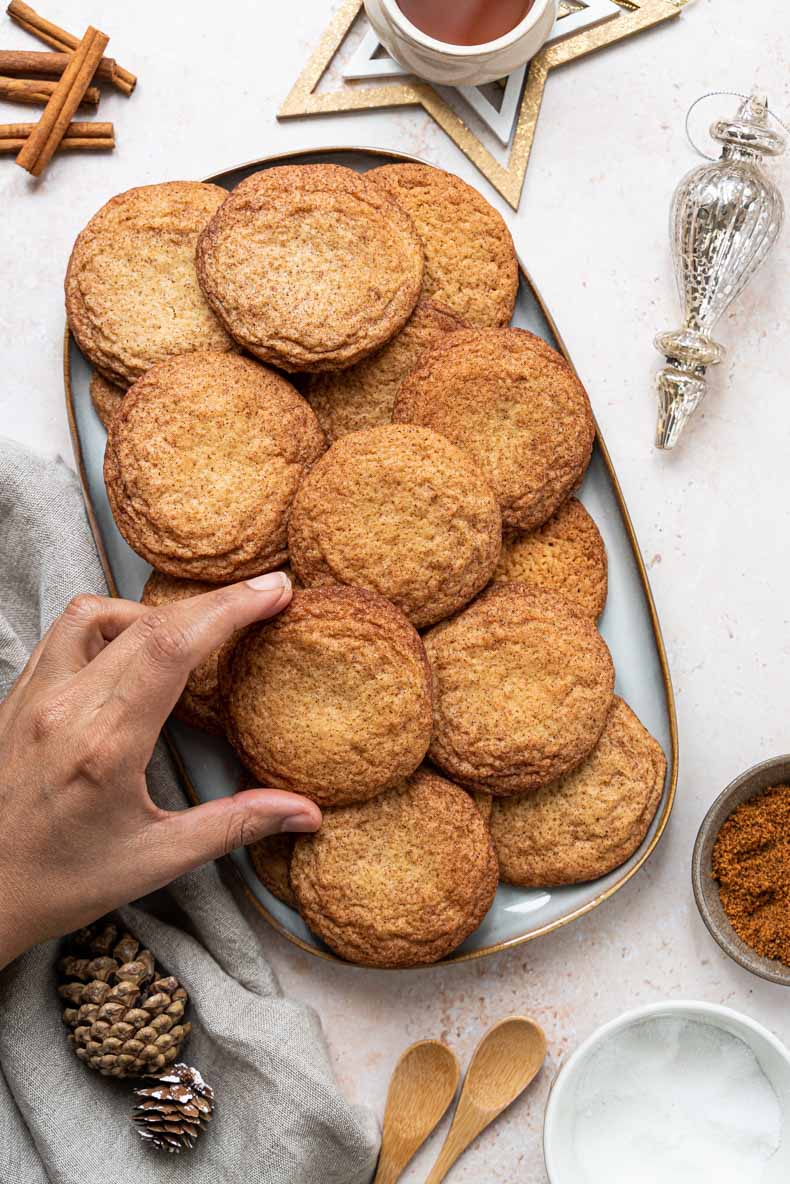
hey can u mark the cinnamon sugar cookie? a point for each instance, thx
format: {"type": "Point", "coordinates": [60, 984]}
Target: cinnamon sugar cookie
{"type": "Point", "coordinates": [400, 880]}
{"type": "Point", "coordinates": [311, 267]}
{"type": "Point", "coordinates": [132, 295]}
{"type": "Point", "coordinates": [271, 858]}
{"type": "Point", "coordinates": [203, 460]}
{"type": "Point", "coordinates": [402, 511]}
{"type": "Point", "coordinates": [332, 698]}
{"type": "Point", "coordinates": [484, 803]}
{"type": "Point", "coordinates": [200, 703]}
{"type": "Point", "coordinates": [470, 262]}
{"type": "Point", "coordinates": [565, 555]}
{"type": "Point", "coordinates": [515, 406]}
{"type": "Point", "coordinates": [522, 686]}
{"type": "Point", "coordinates": [363, 396]}
{"type": "Point", "coordinates": [590, 821]}
{"type": "Point", "coordinates": [105, 396]}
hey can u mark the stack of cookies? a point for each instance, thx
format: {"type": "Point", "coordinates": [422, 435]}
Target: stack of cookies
{"type": "Point", "coordinates": [317, 370]}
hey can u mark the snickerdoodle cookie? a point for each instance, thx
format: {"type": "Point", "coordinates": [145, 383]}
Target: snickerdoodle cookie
{"type": "Point", "coordinates": [470, 262]}
{"type": "Point", "coordinates": [522, 687]}
{"type": "Point", "coordinates": [400, 880]}
{"type": "Point", "coordinates": [484, 803]}
{"type": "Point", "coordinates": [311, 267]}
{"type": "Point", "coordinates": [516, 406]}
{"type": "Point", "coordinates": [105, 396]}
{"type": "Point", "coordinates": [132, 295]}
{"type": "Point", "coordinates": [271, 858]}
{"type": "Point", "coordinates": [199, 704]}
{"type": "Point", "coordinates": [565, 555]}
{"type": "Point", "coordinates": [332, 698]}
{"type": "Point", "coordinates": [402, 511]}
{"type": "Point", "coordinates": [203, 459]}
{"type": "Point", "coordinates": [363, 396]}
{"type": "Point", "coordinates": [591, 820]}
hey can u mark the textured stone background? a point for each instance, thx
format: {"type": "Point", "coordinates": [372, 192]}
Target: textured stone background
{"type": "Point", "coordinates": [713, 519]}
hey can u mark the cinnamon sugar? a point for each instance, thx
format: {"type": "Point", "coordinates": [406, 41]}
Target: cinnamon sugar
{"type": "Point", "coordinates": [751, 861]}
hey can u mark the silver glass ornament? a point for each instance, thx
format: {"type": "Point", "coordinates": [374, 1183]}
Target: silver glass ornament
{"type": "Point", "coordinates": [725, 218]}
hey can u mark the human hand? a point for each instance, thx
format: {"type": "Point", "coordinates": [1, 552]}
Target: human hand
{"type": "Point", "coordinates": [81, 834]}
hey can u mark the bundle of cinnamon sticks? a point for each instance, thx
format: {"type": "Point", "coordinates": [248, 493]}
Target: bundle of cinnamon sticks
{"type": "Point", "coordinates": [63, 81]}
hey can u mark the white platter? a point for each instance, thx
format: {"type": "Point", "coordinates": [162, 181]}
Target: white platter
{"type": "Point", "coordinates": [629, 624]}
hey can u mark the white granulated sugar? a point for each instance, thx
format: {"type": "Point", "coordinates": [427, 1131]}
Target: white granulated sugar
{"type": "Point", "coordinates": [674, 1101]}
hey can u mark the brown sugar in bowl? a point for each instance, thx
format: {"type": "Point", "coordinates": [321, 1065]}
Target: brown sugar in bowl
{"type": "Point", "coordinates": [706, 888]}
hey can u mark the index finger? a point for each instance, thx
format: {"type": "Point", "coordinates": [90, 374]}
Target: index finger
{"type": "Point", "coordinates": [149, 664]}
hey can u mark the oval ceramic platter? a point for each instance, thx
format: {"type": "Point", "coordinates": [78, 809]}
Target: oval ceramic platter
{"type": "Point", "coordinates": [629, 625]}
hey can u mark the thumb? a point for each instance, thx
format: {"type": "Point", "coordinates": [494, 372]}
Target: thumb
{"type": "Point", "coordinates": [188, 838]}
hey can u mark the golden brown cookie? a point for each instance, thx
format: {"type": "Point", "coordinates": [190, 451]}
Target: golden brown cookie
{"type": "Point", "coordinates": [105, 396]}
{"type": "Point", "coordinates": [132, 296]}
{"type": "Point", "coordinates": [271, 858]}
{"type": "Point", "coordinates": [470, 261]}
{"type": "Point", "coordinates": [398, 881]}
{"type": "Point", "coordinates": [522, 686]}
{"type": "Point", "coordinates": [591, 820]}
{"type": "Point", "coordinates": [203, 460]}
{"type": "Point", "coordinates": [311, 267]}
{"type": "Point", "coordinates": [363, 396]}
{"type": "Point", "coordinates": [402, 511]}
{"type": "Point", "coordinates": [515, 406]}
{"type": "Point", "coordinates": [200, 703]}
{"type": "Point", "coordinates": [484, 803]}
{"type": "Point", "coordinates": [331, 699]}
{"type": "Point", "coordinates": [565, 555]}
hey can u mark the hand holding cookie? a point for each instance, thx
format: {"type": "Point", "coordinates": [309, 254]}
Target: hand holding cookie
{"type": "Point", "coordinates": [81, 833]}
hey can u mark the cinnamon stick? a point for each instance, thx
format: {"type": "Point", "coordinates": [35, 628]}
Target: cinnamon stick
{"type": "Point", "coordinates": [31, 64]}
{"type": "Point", "coordinates": [60, 40]}
{"type": "Point", "coordinates": [41, 145]}
{"type": "Point", "coordinates": [91, 136]}
{"type": "Point", "coordinates": [37, 91]}
{"type": "Point", "coordinates": [91, 144]}
{"type": "Point", "coordinates": [88, 129]}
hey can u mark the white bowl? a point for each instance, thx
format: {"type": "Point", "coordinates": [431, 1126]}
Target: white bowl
{"type": "Point", "coordinates": [562, 1165]}
{"type": "Point", "coordinates": [460, 65]}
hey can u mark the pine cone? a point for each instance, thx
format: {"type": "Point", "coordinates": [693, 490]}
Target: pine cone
{"type": "Point", "coordinates": [175, 1110]}
{"type": "Point", "coordinates": [126, 1017]}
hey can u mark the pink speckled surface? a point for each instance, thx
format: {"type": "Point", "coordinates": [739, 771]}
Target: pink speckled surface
{"type": "Point", "coordinates": [713, 518]}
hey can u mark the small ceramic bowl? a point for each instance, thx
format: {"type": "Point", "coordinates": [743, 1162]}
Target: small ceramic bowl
{"type": "Point", "coordinates": [562, 1165]}
{"type": "Point", "coordinates": [706, 889]}
{"type": "Point", "coordinates": [460, 65]}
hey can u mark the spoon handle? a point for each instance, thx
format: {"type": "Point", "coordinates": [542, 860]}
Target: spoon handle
{"type": "Point", "coordinates": [388, 1172]}
{"type": "Point", "coordinates": [467, 1125]}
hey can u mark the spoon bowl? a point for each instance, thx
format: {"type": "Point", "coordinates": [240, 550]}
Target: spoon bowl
{"type": "Point", "coordinates": [504, 1063]}
{"type": "Point", "coordinates": [423, 1085]}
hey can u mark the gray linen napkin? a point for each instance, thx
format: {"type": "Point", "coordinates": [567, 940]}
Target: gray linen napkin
{"type": "Point", "coordinates": [280, 1118]}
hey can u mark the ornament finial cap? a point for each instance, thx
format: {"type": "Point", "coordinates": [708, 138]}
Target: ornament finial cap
{"type": "Point", "coordinates": [749, 129]}
{"type": "Point", "coordinates": [679, 394]}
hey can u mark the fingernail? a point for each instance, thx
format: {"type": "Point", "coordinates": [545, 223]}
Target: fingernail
{"type": "Point", "coordinates": [298, 823]}
{"type": "Point", "coordinates": [272, 581]}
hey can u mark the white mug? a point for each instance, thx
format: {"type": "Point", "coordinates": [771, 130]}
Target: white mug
{"type": "Point", "coordinates": [460, 65]}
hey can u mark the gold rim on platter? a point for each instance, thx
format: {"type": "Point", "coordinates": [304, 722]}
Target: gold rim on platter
{"type": "Point", "coordinates": [672, 763]}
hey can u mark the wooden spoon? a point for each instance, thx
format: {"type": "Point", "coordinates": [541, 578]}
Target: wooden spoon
{"type": "Point", "coordinates": [505, 1061]}
{"type": "Point", "coordinates": [423, 1085]}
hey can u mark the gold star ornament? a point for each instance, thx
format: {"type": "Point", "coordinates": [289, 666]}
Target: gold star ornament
{"type": "Point", "coordinates": [627, 18]}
